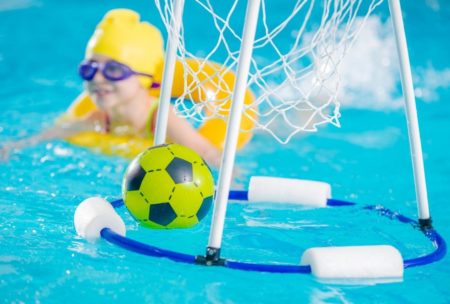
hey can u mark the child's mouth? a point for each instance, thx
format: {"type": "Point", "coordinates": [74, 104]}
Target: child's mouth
{"type": "Point", "coordinates": [101, 92]}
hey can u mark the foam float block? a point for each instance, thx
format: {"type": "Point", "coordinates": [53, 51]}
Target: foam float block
{"type": "Point", "coordinates": [266, 189]}
{"type": "Point", "coordinates": [94, 214]}
{"type": "Point", "coordinates": [354, 262]}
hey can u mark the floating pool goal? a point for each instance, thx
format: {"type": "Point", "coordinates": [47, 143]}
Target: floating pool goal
{"type": "Point", "coordinates": [258, 81]}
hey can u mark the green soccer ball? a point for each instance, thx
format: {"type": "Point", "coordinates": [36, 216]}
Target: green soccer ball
{"type": "Point", "coordinates": [168, 186]}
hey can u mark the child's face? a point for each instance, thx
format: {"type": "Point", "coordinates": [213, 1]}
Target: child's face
{"type": "Point", "coordinates": [111, 95]}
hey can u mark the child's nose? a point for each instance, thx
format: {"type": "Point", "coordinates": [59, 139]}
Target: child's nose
{"type": "Point", "coordinates": [98, 76]}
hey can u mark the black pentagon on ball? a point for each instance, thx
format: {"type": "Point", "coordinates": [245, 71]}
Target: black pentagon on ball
{"type": "Point", "coordinates": [162, 214]}
{"type": "Point", "coordinates": [135, 175]}
{"type": "Point", "coordinates": [180, 171]}
{"type": "Point", "coordinates": [204, 208]}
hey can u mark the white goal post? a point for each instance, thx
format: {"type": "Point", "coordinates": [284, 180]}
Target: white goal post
{"type": "Point", "coordinates": [295, 87]}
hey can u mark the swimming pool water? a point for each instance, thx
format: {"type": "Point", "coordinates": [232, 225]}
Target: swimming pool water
{"type": "Point", "coordinates": [366, 160]}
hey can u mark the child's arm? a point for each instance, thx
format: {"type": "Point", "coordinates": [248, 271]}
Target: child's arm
{"type": "Point", "coordinates": [50, 134]}
{"type": "Point", "coordinates": [180, 131]}
{"type": "Point", "coordinates": [58, 131]}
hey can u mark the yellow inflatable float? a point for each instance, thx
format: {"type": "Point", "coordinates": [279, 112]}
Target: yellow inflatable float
{"type": "Point", "coordinates": [119, 36]}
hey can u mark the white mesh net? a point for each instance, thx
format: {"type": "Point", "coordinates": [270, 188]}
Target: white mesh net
{"type": "Point", "coordinates": [294, 73]}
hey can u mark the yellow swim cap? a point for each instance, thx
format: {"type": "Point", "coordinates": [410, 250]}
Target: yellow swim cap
{"type": "Point", "coordinates": [122, 37]}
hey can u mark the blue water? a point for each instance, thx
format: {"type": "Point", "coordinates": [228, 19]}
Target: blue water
{"type": "Point", "coordinates": [366, 160]}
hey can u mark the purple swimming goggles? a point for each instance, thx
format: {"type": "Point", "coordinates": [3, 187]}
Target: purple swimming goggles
{"type": "Point", "coordinates": [111, 70]}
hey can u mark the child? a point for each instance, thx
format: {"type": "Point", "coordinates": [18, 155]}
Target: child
{"type": "Point", "coordinates": [121, 58]}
